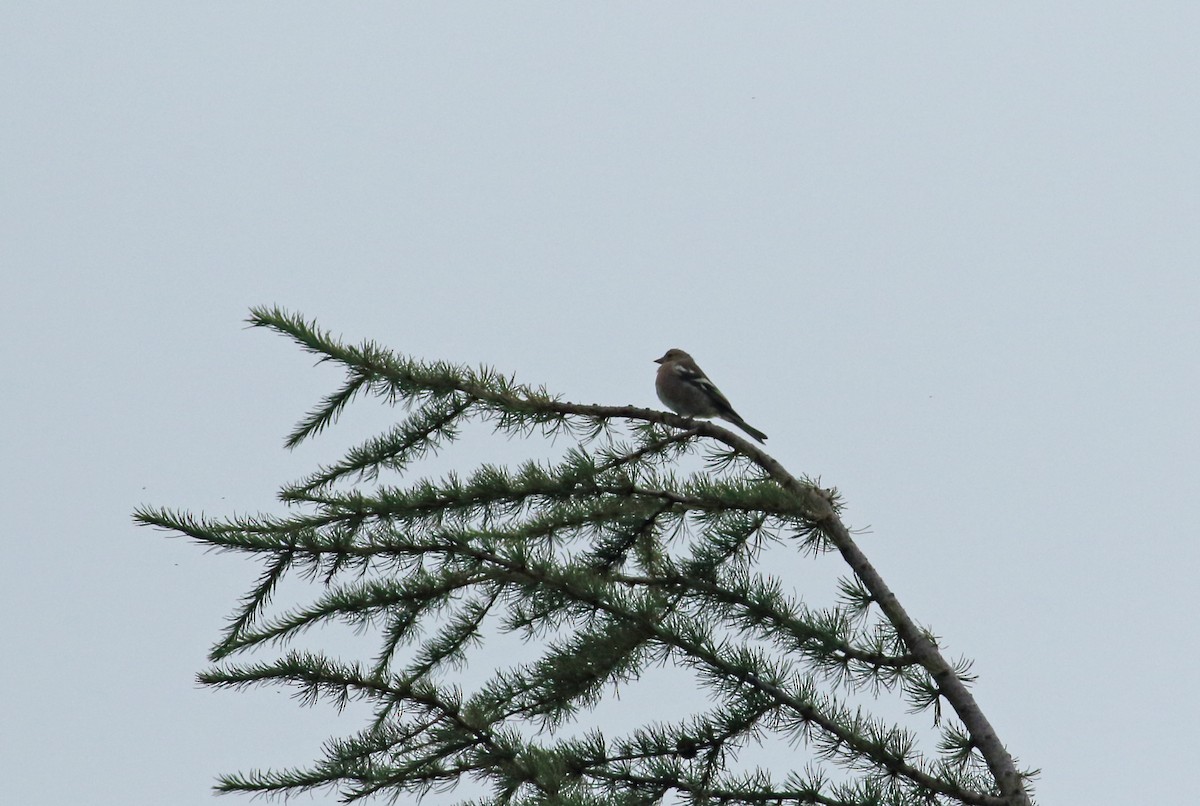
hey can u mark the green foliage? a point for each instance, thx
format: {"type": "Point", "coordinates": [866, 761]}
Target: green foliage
{"type": "Point", "coordinates": [608, 562]}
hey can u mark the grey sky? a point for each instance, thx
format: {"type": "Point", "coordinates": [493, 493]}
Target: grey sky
{"type": "Point", "coordinates": [945, 254]}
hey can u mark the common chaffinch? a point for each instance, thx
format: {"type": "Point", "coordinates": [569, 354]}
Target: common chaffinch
{"type": "Point", "coordinates": [685, 389]}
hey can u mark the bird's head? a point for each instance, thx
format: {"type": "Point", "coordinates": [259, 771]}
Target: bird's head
{"type": "Point", "coordinates": [674, 354]}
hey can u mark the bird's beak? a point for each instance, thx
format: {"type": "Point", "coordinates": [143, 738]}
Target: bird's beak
{"type": "Point", "coordinates": [660, 360]}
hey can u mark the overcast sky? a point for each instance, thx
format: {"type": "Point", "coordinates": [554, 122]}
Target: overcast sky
{"type": "Point", "coordinates": [945, 254]}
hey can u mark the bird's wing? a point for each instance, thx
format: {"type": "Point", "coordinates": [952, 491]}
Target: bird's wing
{"type": "Point", "coordinates": [701, 381]}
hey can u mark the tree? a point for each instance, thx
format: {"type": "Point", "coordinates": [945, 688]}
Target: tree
{"type": "Point", "coordinates": [607, 560]}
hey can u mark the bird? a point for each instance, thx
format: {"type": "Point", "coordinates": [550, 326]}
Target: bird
{"type": "Point", "coordinates": [684, 388]}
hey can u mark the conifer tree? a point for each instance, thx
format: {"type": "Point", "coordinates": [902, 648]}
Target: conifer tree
{"type": "Point", "coordinates": [606, 560]}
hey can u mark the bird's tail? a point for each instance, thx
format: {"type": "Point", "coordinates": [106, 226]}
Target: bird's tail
{"type": "Point", "coordinates": [749, 429]}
